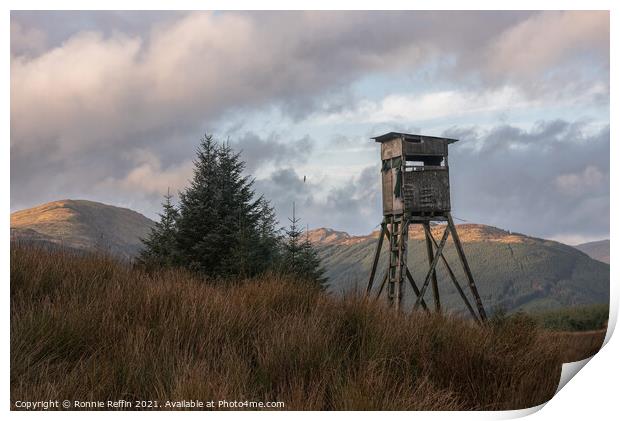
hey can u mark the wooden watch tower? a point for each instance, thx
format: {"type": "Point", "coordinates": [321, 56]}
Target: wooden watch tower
{"type": "Point", "coordinates": [416, 190]}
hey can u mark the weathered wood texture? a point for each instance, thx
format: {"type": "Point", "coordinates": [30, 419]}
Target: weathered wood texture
{"type": "Point", "coordinates": [391, 149]}
{"type": "Point", "coordinates": [425, 147]}
{"type": "Point", "coordinates": [392, 205]}
{"type": "Point", "coordinates": [426, 190]}
{"type": "Point", "coordinates": [420, 188]}
{"type": "Point", "coordinates": [387, 191]}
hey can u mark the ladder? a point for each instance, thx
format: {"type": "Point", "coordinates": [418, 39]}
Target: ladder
{"type": "Point", "coordinates": [398, 260]}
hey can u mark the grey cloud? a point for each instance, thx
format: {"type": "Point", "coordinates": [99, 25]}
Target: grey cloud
{"type": "Point", "coordinates": [148, 70]}
{"type": "Point", "coordinates": [544, 55]}
{"type": "Point", "coordinates": [285, 186]}
{"type": "Point", "coordinates": [90, 90]}
{"type": "Point", "coordinates": [140, 173]}
{"type": "Point", "coordinates": [357, 201]}
{"type": "Point", "coordinates": [257, 151]}
{"type": "Point", "coordinates": [109, 76]}
{"type": "Point", "coordinates": [529, 47]}
{"type": "Point", "coordinates": [550, 181]}
{"type": "Point", "coordinates": [543, 136]}
{"type": "Point", "coordinates": [354, 206]}
{"type": "Point", "coordinates": [27, 40]}
{"type": "Point", "coordinates": [58, 26]}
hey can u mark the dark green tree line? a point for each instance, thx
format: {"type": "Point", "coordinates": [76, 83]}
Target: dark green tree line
{"type": "Point", "coordinates": [220, 227]}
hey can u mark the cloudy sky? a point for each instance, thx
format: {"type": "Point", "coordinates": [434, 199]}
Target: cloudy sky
{"type": "Point", "coordinates": [109, 106]}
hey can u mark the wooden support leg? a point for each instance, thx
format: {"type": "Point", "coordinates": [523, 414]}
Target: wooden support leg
{"type": "Point", "coordinates": [376, 259]}
{"type": "Point", "coordinates": [427, 280]}
{"type": "Point", "coordinates": [456, 284]}
{"type": "Point", "coordinates": [382, 284]}
{"type": "Point", "coordinates": [470, 277]}
{"type": "Point", "coordinates": [429, 252]}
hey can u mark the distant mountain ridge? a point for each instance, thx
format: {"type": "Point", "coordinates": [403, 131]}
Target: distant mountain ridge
{"type": "Point", "coordinates": [598, 250]}
{"type": "Point", "coordinates": [468, 233]}
{"type": "Point", "coordinates": [324, 236]}
{"type": "Point", "coordinates": [82, 225]}
{"type": "Point", "coordinates": [512, 271]}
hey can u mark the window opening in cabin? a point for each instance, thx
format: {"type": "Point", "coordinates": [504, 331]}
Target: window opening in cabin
{"type": "Point", "coordinates": [413, 165]}
{"type": "Point", "coordinates": [418, 162]}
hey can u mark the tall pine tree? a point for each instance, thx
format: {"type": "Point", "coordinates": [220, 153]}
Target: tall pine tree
{"type": "Point", "coordinates": [223, 230]}
{"type": "Point", "coordinates": [160, 248]}
{"type": "Point", "coordinates": [198, 235]}
{"type": "Point", "coordinates": [300, 258]}
{"type": "Point", "coordinates": [239, 214]}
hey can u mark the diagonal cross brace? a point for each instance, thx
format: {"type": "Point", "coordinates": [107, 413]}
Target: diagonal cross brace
{"type": "Point", "coordinates": [429, 251]}
{"type": "Point", "coordinates": [454, 281]}
{"type": "Point", "coordinates": [427, 280]}
{"type": "Point", "coordinates": [415, 289]}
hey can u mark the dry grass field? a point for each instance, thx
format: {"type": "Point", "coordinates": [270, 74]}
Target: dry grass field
{"type": "Point", "coordinates": [577, 346]}
{"type": "Point", "coordinates": [84, 327]}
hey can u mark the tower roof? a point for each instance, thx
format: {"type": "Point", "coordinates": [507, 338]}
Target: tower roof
{"type": "Point", "coordinates": [410, 137]}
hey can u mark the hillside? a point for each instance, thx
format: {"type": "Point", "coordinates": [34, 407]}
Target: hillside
{"type": "Point", "coordinates": [598, 250]}
{"type": "Point", "coordinates": [88, 328]}
{"type": "Point", "coordinates": [512, 271]}
{"type": "Point", "coordinates": [82, 225]}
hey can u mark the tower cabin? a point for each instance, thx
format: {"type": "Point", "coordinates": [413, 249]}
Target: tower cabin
{"type": "Point", "coordinates": [415, 176]}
